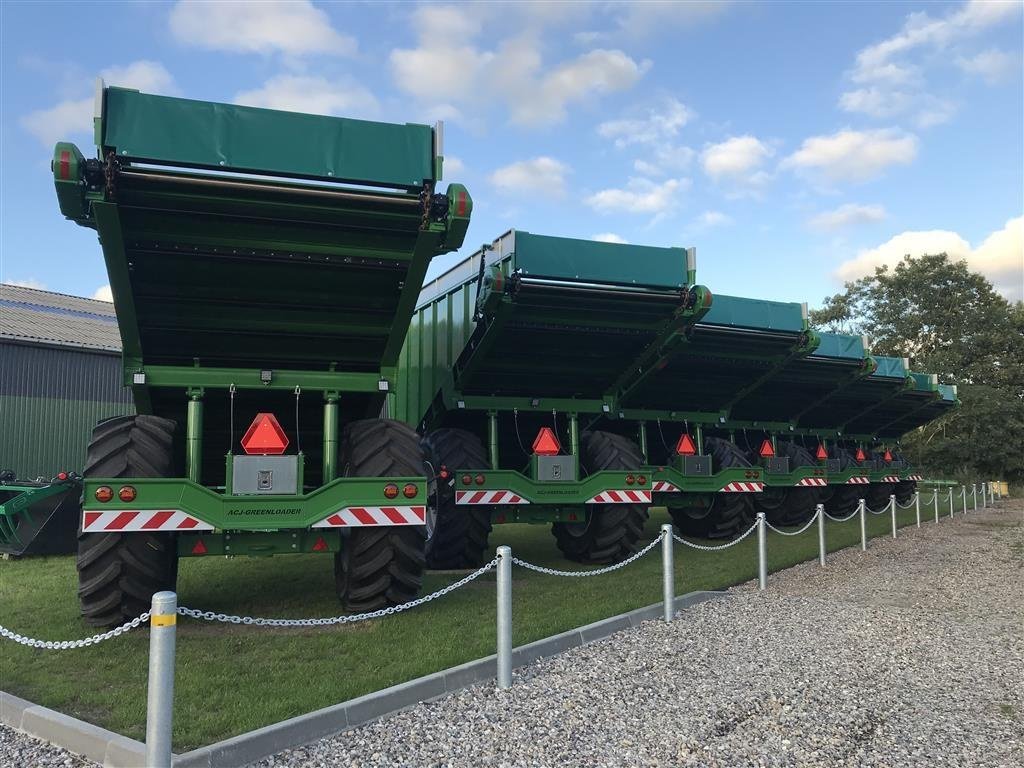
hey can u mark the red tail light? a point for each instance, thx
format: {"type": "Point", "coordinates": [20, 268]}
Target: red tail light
{"type": "Point", "coordinates": [480, 479]}
{"type": "Point", "coordinates": [630, 479]}
{"type": "Point", "coordinates": [104, 494]}
{"type": "Point", "coordinates": [410, 491]}
{"type": "Point", "coordinates": [391, 491]}
{"type": "Point", "coordinates": [546, 444]}
{"type": "Point", "coordinates": [127, 493]}
{"type": "Point", "coordinates": [467, 480]}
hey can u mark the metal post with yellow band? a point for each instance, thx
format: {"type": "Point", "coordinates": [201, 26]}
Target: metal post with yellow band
{"type": "Point", "coordinates": [163, 620]}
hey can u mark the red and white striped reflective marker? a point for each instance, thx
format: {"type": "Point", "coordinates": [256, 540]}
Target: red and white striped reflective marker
{"type": "Point", "coordinates": [742, 488]}
{"type": "Point", "coordinates": [816, 482]}
{"type": "Point", "coordinates": [663, 486]}
{"type": "Point", "coordinates": [891, 479]}
{"type": "Point", "coordinates": [141, 520]}
{"type": "Point", "coordinates": [621, 497]}
{"type": "Point", "coordinates": [489, 497]}
{"type": "Point", "coordinates": [858, 481]}
{"type": "Point", "coordinates": [351, 517]}
{"type": "Point", "coordinates": [916, 477]}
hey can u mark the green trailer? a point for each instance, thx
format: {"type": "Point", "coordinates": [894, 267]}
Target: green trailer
{"type": "Point", "coordinates": [264, 267]}
{"type": "Point", "coordinates": [38, 517]}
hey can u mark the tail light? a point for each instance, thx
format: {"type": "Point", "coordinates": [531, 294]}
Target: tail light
{"type": "Point", "coordinates": [467, 480]}
{"type": "Point", "coordinates": [641, 480]}
{"type": "Point", "coordinates": [391, 491]}
{"type": "Point", "coordinates": [104, 493]}
{"type": "Point", "coordinates": [630, 479]}
{"type": "Point", "coordinates": [410, 491]}
{"type": "Point", "coordinates": [127, 493]}
{"type": "Point", "coordinates": [480, 479]}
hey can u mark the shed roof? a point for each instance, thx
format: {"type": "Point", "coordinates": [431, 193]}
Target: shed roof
{"type": "Point", "coordinates": [29, 315]}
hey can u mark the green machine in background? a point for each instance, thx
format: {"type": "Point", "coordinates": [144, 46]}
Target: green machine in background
{"type": "Point", "coordinates": [264, 267]}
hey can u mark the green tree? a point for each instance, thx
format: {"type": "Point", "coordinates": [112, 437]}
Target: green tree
{"type": "Point", "coordinates": [949, 321]}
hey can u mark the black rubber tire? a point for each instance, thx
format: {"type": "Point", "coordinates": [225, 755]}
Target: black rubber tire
{"type": "Point", "coordinates": [459, 538]}
{"type": "Point", "coordinates": [383, 565]}
{"type": "Point", "coordinates": [905, 490]}
{"type": "Point", "coordinates": [118, 573]}
{"type": "Point", "coordinates": [842, 500]}
{"type": "Point", "coordinates": [801, 503]}
{"type": "Point", "coordinates": [611, 532]}
{"type": "Point", "coordinates": [729, 513]}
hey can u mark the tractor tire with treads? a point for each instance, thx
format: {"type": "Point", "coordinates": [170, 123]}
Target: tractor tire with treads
{"type": "Point", "coordinates": [801, 502]}
{"type": "Point", "coordinates": [380, 566]}
{"type": "Point", "coordinates": [611, 532]}
{"type": "Point", "coordinates": [118, 573]}
{"type": "Point", "coordinates": [729, 513]}
{"type": "Point", "coordinates": [459, 535]}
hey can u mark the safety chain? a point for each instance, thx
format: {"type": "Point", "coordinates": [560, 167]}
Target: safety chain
{"type": "Point", "coordinates": [882, 511]}
{"type": "Point", "coordinates": [64, 645]}
{"type": "Point", "coordinates": [793, 533]}
{"type": "Point", "coordinates": [607, 569]}
{"type": "Point", "coordinates": [843, 519]}
{"type": "Point", "coordinates": [908, 505]}
{"type": "Point", "coordinates": [332, 620]}
{"type": "Point", "coordinates": [720, 547]}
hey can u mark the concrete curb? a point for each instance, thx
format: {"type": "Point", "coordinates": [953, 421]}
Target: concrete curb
{"type": "Point", "coordinates": [117, 751]}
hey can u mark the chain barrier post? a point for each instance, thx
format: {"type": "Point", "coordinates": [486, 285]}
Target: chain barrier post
{"type": "Point", "coordinates": [974, 495]}
{"type": "Point", "coordinates": [821, 535]}
{"type": "Point", "coordinates": [762, 552]}
{"type": "Point", "coordinates": [917, 507]}
{"type": "Point", "coordinates": [984, 496]}
{"type": "Point", "coordinates": [963, 490]}
{"type": "Point", "coordinates": [950, 503]}
{"type": "Point", "coordinates": [668, 572]}
{"type": "Point", "coordinates": [936, 500]}
{"type": "Point", "coordinates": [862, 507]}
{"type": "Point", "coordinates": [504, 617]}
{"type": "Point", "coordinates": [892, 505]}
{"type": "Point", "coordinates": [163, 618]}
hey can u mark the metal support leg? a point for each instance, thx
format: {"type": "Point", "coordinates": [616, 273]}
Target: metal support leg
{"type": "Point", "coordinates": [642, 437]}
{"type": "Point", "coordinates": [330, 463]}
{"type": "Point", "coordinates": [762, 552]}
{"type": "Point", "coordinates": [504, 617]}
{"type": "Point", "coordinates": [862, 508]}
{"type": "Point", "coordinates": [917, 507]}
{"type": "Point", "coordinates": [668, 572]}
{"type": "Point", "coordinates": [492, 438]}
{"type": "Point", "coordinates": [821, 535]}
{"type": "Point", "coordinates": [194, 436]}
{"type": "Point", "coordinates": [160, 692]}
{"type": "Point", "coordinates": [892, 506]}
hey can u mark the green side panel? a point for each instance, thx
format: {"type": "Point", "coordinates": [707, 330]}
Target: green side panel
{"type": "Point", "coordinates": [840, 346]}
{"type": "Point", "coordinates": [164, 130]}
{"type": "Point", "coordinates": [40, 436]}
{"type": "Point", "coordinates": [948, 392]}
{"type": "Point", "coordinates": [739, 312]}
{"type": "Point", "coordinates": [890, 368]}
{"type": "Point", "coordinates": [564, 258]}
{"type": "Point", "coordinates": [925, 382]}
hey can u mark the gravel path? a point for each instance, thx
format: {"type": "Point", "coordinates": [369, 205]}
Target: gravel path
{"type": "Point", "coordinates": [911, 654]}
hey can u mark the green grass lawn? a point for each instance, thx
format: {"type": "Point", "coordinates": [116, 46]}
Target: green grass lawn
{"type": "Point", "coordinates": [232, 679]}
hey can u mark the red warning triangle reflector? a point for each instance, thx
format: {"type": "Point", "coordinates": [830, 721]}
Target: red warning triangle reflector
{"type": "Point", "coordinates": [888, 455]}
{"type": "Point", "coordinates": [685, 446]}
{"type": "Point", "coordinates": [767, 450]}
{"type": "Point", "coordinates": [199, 548]}
{"type": "Point", "coordinates": [860, 454]}
{"type": "Point", "coordinates": [320, 545]}
{"type": "Point", "coordinates": [546, 444]}
{"type": "Point", "coordinates": [265, 435]}
{"type": "Point", "coordinates": [821, 453]}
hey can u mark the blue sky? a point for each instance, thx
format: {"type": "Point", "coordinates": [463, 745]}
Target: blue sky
{"type": "Point", "coordinates": [794, 144]}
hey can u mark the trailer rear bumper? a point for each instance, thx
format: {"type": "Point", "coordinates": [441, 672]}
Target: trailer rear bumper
{"type": "Point", "coordinates": [734, 480]}
{"type": "Point", "coordinates": [510, 488]}
{"type": "Point", "coordinates": [801, 477]}
{"type": "Point", "coordinates": [177, 504]}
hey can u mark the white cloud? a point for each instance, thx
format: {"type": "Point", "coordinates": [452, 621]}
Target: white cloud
{"type": "Point", "coordinates": [512, 73]}
{"type": "Point", "coordinates": [103, 293]}
{"type": "Point", "coordinates": [894, 70]}
{"type": "Point", "coordinates": [710, 219]}
{"type": "Point", "coordinates": [315, 95]}
{"type": "Point", "coordinates": [73, 117]}
{"type": "Point", "coordinates": [291, 27]}
{"type": "Point", "coordinates": [30, 282]}
{"type": "Point", "coordinates": [638, 196]}
{"type": "Point", "coordinates": [853, 155]}
{"type": "Point", "coordinates": [541, 175]}
{"type": "Point", "coordinates": [637, 19]}
{"type": "Point", "coordinates": [735, 157]}
{"type": "Point", "coordinates": [848, 215]}
{"type": "Point", "coordinates": [992, 64]}
{"type": "Point", "coordinates": [656, 126]}
{"type": "Point", "coordinates": [453, 165]}
{"type": "Point", "coordinates": [1000, 257]}
{"type": "Point", "coordinates": [609, 237]}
